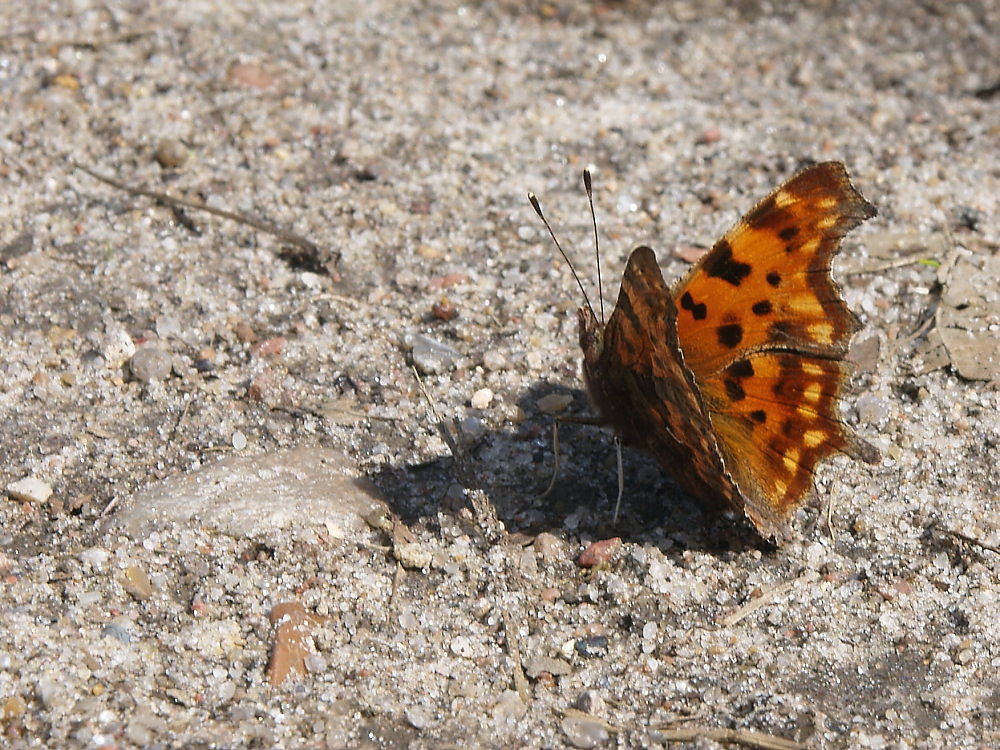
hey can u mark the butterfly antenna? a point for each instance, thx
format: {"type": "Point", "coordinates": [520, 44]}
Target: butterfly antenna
{"type": "Point", "coordinates": [538, 210]}
{"type": "Point", "coordinates": [597, 250]}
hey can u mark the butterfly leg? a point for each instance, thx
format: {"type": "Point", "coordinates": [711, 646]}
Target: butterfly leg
{"type": "Point", "coordinates": [621, 480]}
{"type": "Point", "coordinates": [555, 467]}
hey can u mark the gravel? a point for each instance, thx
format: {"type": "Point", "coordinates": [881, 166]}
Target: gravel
{"type": "Point", "coordinates": [216, 425]}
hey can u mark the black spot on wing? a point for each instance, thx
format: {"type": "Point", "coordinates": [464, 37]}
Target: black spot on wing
{"type": "Point", "coordinates": [698, 310]}
{"type": "Point", "coordinates": [721, 264]}
{"type": "Point", "coordinates": [730, 335]}
{"type": "Point", "coordinates": [774, 279]}
{"type": "Point", "coordinates": [759, 416]}
{"type": "Point", "coordinates": [740, 369]}
{"type": "Point", "coordinates": [788, 232]}
{"type": "Point", "coordinates": [762, 308]}
{"type": "Point", "coordinates": [734, 390]}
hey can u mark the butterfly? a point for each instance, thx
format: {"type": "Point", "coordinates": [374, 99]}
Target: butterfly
{"type": "Point", "coordinates": [731, 377]}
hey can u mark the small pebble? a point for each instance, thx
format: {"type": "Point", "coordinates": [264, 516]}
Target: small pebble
{"type": "Point", "coordinates": [554, 403]}
{"type": "Point", "coordinates": [494, 361]}
{"type": "Point", "coordinates": [270, 347]}
{"type": "Point", "coordinates": [245, 333]}
{"type": "Point", "coordinates": [118, 348]}
{"type": "Point", "coordinates": [95, 557]}
{"type": "Point", "coordinates": [432, 357]}
{"type": "Point", "coordinates": [167, 326]}
{"type": "Point", "coordinates": [592, 646]}
{"type": "Point", "coordinates": [536, 665]}
{"type": "Point", "coordinates": [418, 717]}
{"type": "Point", "coordinates": [30, 490]}
{"type": "Point", "coordinates": [150, 364]}
{"type": "Point", "coordinates": [873, 409]}
{"type": "Point", "coordinates": [412, 555]}
{"type": "Point", "coordinates": [550, 548]}
{"type": "Point", "coordinates": [472, 427]}
{"type": "Point", "coordinates": [444, 309]}
{"type": "Point", "coordinates": [57, 335]}
{"type": "Point", "coordinates": [510, 708]}
{"type": "Point", "coordinates": [137, 583]}
{"type": "Point", "coordinates": [113, 630]}
{"type": "Point", "coordinates": [584, 732]}
{"type": "Point", "coordinates": [239, 441]}
{"type": "Point", "coordinates": [591, 702]}
{"type": "Point", "coordinates": [53, 694]}
{"type": "Point", "coordinates": [462, 646]}
{"type": "Point", "coordinates": [171, 153]}
{"type": "Point", "coordinates": [93, 359]}
{"type": "Point", "coordinates": [14, 707]}
{"type": "Point", "coordinates": [292, 643]}
{"type": "Point", "coordinates": [598, 553]}
{"type": "Point", "coordinates": [482, 398]}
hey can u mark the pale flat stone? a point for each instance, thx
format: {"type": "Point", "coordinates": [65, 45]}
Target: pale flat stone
{"type": "Point", "coordinates": [254, 495]}
{"type": "Point", "coordinates": [30, 490]}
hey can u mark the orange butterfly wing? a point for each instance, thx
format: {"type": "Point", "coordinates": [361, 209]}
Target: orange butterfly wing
{"type": "Point", "coordinates": [764, 330]}
{"type": "Point", "coordinates": [731, 379]}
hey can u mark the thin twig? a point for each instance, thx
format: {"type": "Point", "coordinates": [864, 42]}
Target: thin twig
{"type": "Point", "coordinates": [970, 540]}
{"type": "Point", "coordinates": [555, 467]}
{"type": "Point", "coordinates": [735, 736]}
{"type": "Point", "coordinates": [621, 480]}
{"type": "Point", "coordinates": [307, 246]}
{"type": "Point", "coordinates": [754, 604]}
{"type": "Point", "coordinates": [520, 681]}
{"type": "Point", "coordinates": [449, 439]}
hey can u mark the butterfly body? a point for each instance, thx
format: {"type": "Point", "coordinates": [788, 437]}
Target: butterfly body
{"type": "Point", "coordinates": [731, 378]}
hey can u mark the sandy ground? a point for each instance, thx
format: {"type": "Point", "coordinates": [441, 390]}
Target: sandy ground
{"type": "Point", "coordinates": [228, 421]}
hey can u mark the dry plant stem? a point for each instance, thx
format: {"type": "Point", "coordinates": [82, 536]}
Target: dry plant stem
{"type": "Point", "coordinates": [766, 597]}
{"type": "Point", "coordinates": [520, 681]}
{"type": "Point", "coordinates": [621, 480]}
{"type": "Point", "coordinates": [731, 736]}
{"type": "Point", "coordinates": [309, 247]}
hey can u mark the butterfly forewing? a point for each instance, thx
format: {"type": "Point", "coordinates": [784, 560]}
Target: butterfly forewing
{"type": "Point", "coordinates": [766, 283]}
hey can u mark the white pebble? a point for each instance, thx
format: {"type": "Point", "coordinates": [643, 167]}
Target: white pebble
{"type": "Point", "coordinates": [30, 489]}
{"type": "Point", "coordinates": [95, 557]}
{"type": "Point", "coordinates": [494, 360]}
{"type": "Point", "coordinates": [118, 348]}
{"type": "Point", "coordinates": [482, 398]}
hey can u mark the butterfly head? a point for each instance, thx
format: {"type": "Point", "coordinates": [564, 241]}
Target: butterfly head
{"type": "Point", "coordinates": [591, 337]}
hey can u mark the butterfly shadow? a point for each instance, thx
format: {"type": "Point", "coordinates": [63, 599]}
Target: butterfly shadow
{"type": "Point", "coordinates": [512, 467]}
{"type": "Point", "coordinates": [654, 509]}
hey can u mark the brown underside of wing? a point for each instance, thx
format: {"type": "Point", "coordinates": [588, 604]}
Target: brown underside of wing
{"type": "Point", "coordinates": [640, 386]}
